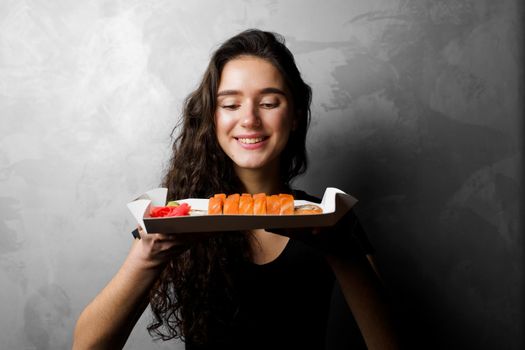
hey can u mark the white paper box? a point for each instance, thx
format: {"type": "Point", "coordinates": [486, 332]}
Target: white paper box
{"type": "Point", "coordinates": [335, 204]}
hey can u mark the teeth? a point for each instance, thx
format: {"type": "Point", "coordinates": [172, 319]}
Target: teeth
{"type": "Point", "coordinates": [250, 141]}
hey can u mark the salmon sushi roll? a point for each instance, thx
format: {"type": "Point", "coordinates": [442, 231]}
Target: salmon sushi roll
{"type": "Point", "coordinates": [286, 204]}
{"type": "Point", "coordinates": [215, 206]}
{"type": "Point", "coordinates": [222, 196]}
{"type": "Point", "coordinates": [273, 206]}
{"type": "Point", "coordinates": [259, 204]}
{"type": "Point", "coordinates": [231, 204]}
{"type": "Point", "coordinates": [246, 204]}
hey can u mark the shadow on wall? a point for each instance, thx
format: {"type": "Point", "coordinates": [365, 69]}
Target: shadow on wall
{"type": "Point", "coordinates": [443, 214]}
{"type": "Point", "coordinates": [432, 149]}
{"type": "Point", "coordinates": [440, 201]}
{"type": "Point", "coordinates": [446, 263]}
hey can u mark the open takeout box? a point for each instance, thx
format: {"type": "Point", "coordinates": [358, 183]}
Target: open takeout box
{"type": "Point", "coordinates": [335, 204]}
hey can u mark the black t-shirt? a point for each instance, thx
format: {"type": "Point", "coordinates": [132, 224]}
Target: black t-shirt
{"type": "Point", "coordinates": [284, 304]}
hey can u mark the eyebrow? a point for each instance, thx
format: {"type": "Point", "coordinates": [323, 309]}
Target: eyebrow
{"type": "Point", "coordinates": [268, 90]}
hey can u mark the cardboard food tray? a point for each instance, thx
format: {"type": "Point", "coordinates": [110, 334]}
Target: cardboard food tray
{"type": "Point", "coordinates": [335, 204]}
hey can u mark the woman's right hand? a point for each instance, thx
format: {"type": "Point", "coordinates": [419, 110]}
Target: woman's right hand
{"type": "Point", "coordinates": [154, 250]}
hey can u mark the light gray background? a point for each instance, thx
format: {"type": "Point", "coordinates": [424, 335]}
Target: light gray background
{"type": "Point", "coordinates": [417, 111]}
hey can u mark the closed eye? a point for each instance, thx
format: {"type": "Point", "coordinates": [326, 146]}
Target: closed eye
{"type": "Point", "coordinates": [269, 105]}
{"type": "Point", "coordinates": [231, 107]}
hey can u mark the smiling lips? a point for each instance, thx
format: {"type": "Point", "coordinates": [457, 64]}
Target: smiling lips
{"type": "Point", "coordinates": [251, 142]}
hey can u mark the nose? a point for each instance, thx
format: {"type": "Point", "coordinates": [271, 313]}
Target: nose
{"type": "Point", "coordinates": [250, 117]}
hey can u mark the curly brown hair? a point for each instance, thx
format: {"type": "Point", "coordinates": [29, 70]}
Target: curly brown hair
{"type": "Point", "coordinates": [197, 288]}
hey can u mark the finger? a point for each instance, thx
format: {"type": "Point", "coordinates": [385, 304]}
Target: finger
{"type": "Point", "coordinates": [173, 249]}
{"type": "Point", "coordinates": [162, 237]}
{"type": "Point", "coordinates": [138, 233]}
{"type": "Point", "coordinates": [142, 232]}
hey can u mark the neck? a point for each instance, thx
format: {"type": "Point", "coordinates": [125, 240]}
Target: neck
{"type": "Point", "coordinates": [265, 180]}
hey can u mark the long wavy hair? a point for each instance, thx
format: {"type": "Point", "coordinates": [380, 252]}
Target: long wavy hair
{"type": "Point", "coordinates": [195, 294]}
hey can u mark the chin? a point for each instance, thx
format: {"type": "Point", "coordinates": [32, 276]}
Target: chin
{"type": "Point", "coordinates": [253, 164]}
{"type": "Point", "coordinates": [257, 162]}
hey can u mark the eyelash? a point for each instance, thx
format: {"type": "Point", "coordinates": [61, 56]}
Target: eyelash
{"type": "Point", "coordinates": [231, 107]}
{"type": "Point", "coordinates": [263, 105]}
{"type": "Point", "coordinates": [269, 105]}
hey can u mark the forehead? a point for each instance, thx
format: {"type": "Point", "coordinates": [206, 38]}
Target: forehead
{"type": "Point", "coordinates": [249, 72]}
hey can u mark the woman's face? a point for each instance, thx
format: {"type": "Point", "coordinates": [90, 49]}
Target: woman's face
{"type": "Point", "coordinates": [254, 113]}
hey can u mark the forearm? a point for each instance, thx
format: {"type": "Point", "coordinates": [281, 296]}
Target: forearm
{"type": "Point", "coordinates": [108, 320]}
{"type": "Point", "coordinates": [363, 293]}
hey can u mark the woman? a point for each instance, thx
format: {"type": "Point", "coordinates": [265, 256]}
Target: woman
{"type": "Point", "coordinates": [243, 130]}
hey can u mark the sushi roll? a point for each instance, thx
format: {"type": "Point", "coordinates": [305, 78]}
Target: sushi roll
{"type": "Point", "coordinates": [215, 205]}
{"type": "Point", "coordinates": [286, 204]}
{"type": "Point", "coordinates": [246, 204]}
{"type": "Point", "coordinates": [259, 204]}
{"type": "Point", "coordinates": [231, 204]}
{"type": "Point", "coordinates": [273, 205]}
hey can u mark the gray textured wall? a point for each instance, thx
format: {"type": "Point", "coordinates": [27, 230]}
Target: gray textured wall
{"type": "Point", "coordinates": [417, 111]}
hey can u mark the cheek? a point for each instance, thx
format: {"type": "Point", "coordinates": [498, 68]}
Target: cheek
{"type": "Point", "coordinates": [223, 124]}
{"type": "Point", "coordinates": [285, 124]}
